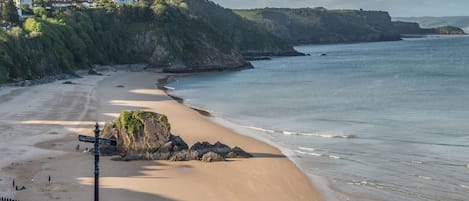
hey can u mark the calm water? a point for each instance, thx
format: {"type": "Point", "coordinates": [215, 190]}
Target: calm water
{"type": "Point", "coordinates": [377, 121]}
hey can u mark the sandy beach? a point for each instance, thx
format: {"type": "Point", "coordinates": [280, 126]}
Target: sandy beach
{"type": "Point", "coordinates": [39, 127]}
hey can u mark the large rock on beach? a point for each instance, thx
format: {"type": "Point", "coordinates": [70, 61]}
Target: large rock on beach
{"type": "Point", "coordinates": [143, 135]}
{"type": "Point", "coordinates": [140, 131]}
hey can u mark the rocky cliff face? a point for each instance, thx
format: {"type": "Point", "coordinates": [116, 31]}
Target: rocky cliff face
{"type": "Point", "coordinates": [318, 25]}
{"type": "Point", "coordinates": [144, 135]}
{"type": "Point", "coordinates": [207, 56]}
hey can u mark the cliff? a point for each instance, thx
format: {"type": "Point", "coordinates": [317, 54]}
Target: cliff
{"type": "Point", "coordinates": [415, 29]}
{"type": "Point", "coordinates": [161, 35]}
{"type": "Point", "coordinates": [319, 25]}
{"type": "Point", "coordinates": [248, 37]}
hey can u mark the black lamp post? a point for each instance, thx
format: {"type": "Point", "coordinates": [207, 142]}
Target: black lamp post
{"type": "Point", "coordinates": [96, 163]}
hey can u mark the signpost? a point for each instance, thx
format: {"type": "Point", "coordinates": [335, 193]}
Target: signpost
{"type": "Point", "coordinates": [97, 141]}
{"type": "Point", "coordinates": [85, 138]}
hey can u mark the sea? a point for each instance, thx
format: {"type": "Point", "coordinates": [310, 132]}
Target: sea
{"type": "Point", "coordinates": [367, 121]}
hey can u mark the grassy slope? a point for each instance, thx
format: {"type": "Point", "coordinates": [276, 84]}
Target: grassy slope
{"type": "Point", "coordinates": [318, 25]}
{"type": "Point", "coordinates": [244, 34]}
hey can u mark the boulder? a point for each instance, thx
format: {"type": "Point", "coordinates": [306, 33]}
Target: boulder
{"type": "Point", "coordinates": [178, 143]}
{"type": "Point", "coordinates": [205, 147]}
{"type": "Point", "coordinates": [237, 152]}
{"type": "Point", "coordinates": [141, 132]}
{"type": "Point", "coordinates": [159, 155]}
{"type": "Point", "coordinates": [184, 155]}
{"type": "Point", "coordinates": [212, 157]}
{"type": "Point", "coordinates": [93, 72]}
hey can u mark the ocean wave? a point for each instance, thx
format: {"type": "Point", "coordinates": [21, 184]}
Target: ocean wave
{"type": "Point", "coordinates": [467, 165]}
{"type": "Point", "coordinates": [424, 177]}
{"type": "Point", "coordinates": [363, 183]}
{"type": "Point", "coordinates": [318, 135]}
{"type": "Point", "coordinates": [334, 157]}
{"type": "Point", "coordinates": [306, 148]}
{"type": "Point", "coordinates": [416, 161]}
{"type": "Point", "coordinates": [300, 133]}
{"type": "Point", "coordinates": [259, 129]}
{"type": "Point", "coordinates": [308, 153]}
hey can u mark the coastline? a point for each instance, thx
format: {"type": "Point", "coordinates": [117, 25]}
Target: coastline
{"type": "Point", "coordinates": [320, 183]}
{"type": "Point", "coordinates": [250, 179]}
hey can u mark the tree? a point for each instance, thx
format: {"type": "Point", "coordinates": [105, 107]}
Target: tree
{"type": "Point", "coordinates": [9, 12]}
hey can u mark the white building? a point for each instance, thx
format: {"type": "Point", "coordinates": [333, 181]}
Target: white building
{"type": "Point", "coordinates": [61, 3]}
{"type": "Point", "coordinates": [123, 1]}
{"type": "Point", "coordinates": [19, 3]}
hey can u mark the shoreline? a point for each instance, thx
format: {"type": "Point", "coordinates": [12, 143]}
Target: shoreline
{"type": "Point", "coordinates": [80, 186]}
{"type": "Point", "coordinates": [161, 84]}
{"type": "Point", "coordinates": [319, 182]}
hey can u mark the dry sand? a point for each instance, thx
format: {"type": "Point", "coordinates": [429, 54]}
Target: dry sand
{"type": "Point", "coordinates": [39, 127]}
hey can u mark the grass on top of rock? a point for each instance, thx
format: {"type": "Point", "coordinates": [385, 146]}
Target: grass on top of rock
{"type": "Point", "coordinates": [133, 121]}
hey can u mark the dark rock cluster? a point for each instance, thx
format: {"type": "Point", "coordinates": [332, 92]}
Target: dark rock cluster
{"type": "Point", "coordinates": [143, 135]}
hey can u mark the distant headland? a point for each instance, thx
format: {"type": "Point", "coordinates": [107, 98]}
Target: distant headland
{"type": "Point", "coordinates": [176, 36]}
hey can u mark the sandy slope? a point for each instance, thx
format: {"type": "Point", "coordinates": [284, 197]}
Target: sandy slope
{"type": "Point", "coordinates": [56, 113]}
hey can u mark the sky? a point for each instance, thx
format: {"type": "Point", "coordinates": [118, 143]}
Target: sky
{"type": "Point", "coordinates": [396, 8]}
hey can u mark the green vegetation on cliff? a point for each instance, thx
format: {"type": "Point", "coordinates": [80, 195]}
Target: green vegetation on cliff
{"type": "Point", "coordinates": [244, 34]}
{"type": "Point", "coordinates": [45, 46]}
{"type": "Point", "coordinates": [318, 25]}
{"type": "Point", "coordinates": [160, 33]}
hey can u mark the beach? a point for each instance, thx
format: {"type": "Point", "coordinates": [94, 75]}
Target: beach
{"type": "Point", "coordinates": [40, 125]}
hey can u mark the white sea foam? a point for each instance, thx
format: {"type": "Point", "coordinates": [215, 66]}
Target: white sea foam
{"type": "Point", "coordinates": [463, 186]}
{"type": "Point", "coordinates": [300, 133]}
{"type": "Point", "coordinates": [327, 135]}
{"type": "Point", "coordinates": [259, 129]}
{"type": "Point", "coordinates": [318, 135]}
{"type": "Point", "coordinates": [169, 88]}
{"type": "Point", "coordinates": [306, 148]}
{"type": "Point", "coordinates": [290, 133]}
{"type": "Point", "coordinates": [335, 157]}
{"type": "Point", "coordinates": [467, 165]}
{"type": "Point", "coordinates": [417, 162]}
{"type": "Point", "coordinates": [424, 177]}
{"type": "Point", "coordinates": [307, 153]}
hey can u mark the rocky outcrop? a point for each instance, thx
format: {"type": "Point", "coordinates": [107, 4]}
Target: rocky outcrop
{"type": "Point", "coordinates": [237, 152]}
{"type": "Point", "coordinates": [429, 22]}
{"type": "Point", "coordinates": [413, 28]}
{"type": "Point", "coordinates": [204, 147]}
{"type": "Point", "coordinates": [185, 155]}
{"type": "Point", "coordinates": [207, 56]}
{"type": "Point", "coordinates": [144, 135]}
{"type": "Point", "coordinates": [212, 157]}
